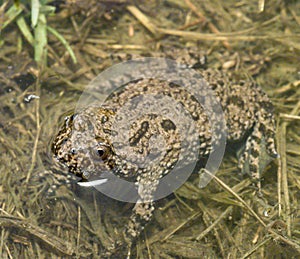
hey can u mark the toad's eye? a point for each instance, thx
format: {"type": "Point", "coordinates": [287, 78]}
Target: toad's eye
{"type": "Point", "coordinates": [103, 151]}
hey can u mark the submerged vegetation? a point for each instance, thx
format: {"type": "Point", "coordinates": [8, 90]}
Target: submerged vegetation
{"type": "Point", "coordinates": [38, 21]}
{"type": "Point", "coordinates": [49, 50]}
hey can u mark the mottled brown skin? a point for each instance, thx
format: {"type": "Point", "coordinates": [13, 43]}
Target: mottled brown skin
{"type": "Point", "coordinates": [84, 142]}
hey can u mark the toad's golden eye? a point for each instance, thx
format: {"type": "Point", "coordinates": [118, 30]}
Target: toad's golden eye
{"type": "Point", "coordinates": [103, 151]}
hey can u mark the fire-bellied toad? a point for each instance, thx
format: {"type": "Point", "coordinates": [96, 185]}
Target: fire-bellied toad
{"type": "Point", "coordinates": [84, 143]}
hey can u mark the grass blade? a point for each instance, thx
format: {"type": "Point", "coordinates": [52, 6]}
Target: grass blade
{"type": "Point", "coordinates": [25, 30]}
{"type": "Point", "coordinates": [35, 10]}
{"type": "Point", "coordinates": [11, 15]}
{"type": "Point", "coordinates": [64, 42]}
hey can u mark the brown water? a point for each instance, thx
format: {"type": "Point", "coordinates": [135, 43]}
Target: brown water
{"type": "Point", "coordinates": [82, 222]}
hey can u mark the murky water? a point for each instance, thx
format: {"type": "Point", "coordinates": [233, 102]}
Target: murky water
{"type": "Point", "coordinates": [80, 221]}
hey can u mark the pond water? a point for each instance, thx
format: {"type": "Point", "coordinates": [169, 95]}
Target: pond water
{"type": "Point", "coordinates": [249, 40]}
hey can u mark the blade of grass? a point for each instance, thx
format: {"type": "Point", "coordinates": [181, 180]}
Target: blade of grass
{"type": "Point", "coordinates": [64, 42]}
{"type": "Point", "coordinates": [35, 10]}
{"type": "Point", "coordinates": [40, 43]}
{"type": "Point", "coordinates": [47, 9]}
{"type": "Point", "coordinates": [25, 30]}
{"type": "Point", "coordinates": [11, 15]}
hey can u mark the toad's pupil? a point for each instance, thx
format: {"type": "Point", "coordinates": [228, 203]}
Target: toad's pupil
{"type": "Point", "coordinates": [101, 152]}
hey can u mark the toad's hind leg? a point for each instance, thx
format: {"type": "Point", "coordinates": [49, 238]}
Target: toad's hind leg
{"type": "Point", "coordinates": [259, 149]}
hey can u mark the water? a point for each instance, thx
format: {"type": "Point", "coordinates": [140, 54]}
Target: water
{"type": "Point", "coordinates": [81, 221]}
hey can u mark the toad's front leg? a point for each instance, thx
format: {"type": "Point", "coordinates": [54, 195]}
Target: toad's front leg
{"type": "Point", "coordinates": [141, 214]}
{"type": "Point", "coordinates": [143, 209]}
